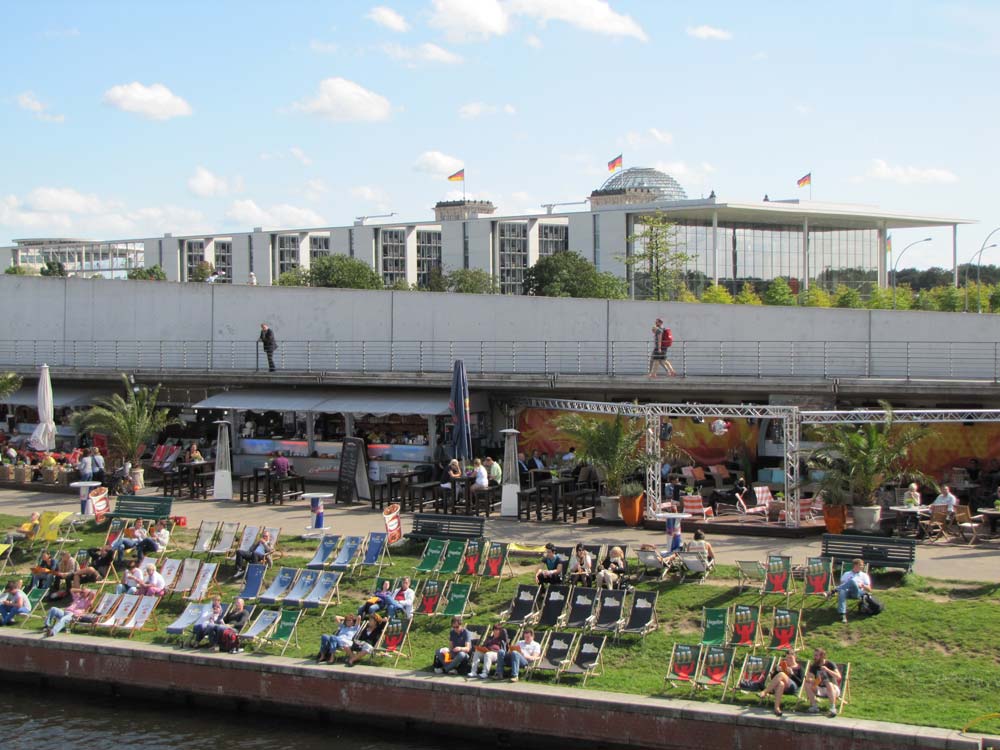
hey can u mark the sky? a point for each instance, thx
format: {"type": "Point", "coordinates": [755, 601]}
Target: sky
{"type": "Point", "coordinates": [128, 120]}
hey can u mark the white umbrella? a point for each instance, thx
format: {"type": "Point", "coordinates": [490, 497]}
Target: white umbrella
{"type": "Point", "coordinates": [44, 436]}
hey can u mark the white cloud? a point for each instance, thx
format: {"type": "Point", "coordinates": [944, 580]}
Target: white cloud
{"type": "Point", "coordinates": [882, 170]}
{"type": "Point", "coordinates": [472, 110]}
{"type": "Point", "coordinates": [323, 48]}
{"type": "Point", "coordinates": [207, 184]}
{"type": "Point", "coordinates": [469, 20]}
{"type": "Point", "coordinates": [709, 33]}
{"type": "Point", "coordinates": [589, 15]}
{"type": "Point", "coordinates": [282, 215]}
{"type": "Point", "coordinates": [686, 174]}
{"type": "Point", "coordinates": [437, 163]}
{"type": "Point", "coordinates": [155, 102]}
{"type": "Point", "coordinates": [340, 100]}
{"type": "Point", "coordinates": [426, 52]}
{"type": "Point", "coordinates": [315, 189]}
{"type": "Point", "coordinates": [533, 41]}
{"type": "Point", "coordinates": [388, 18]}
{"type": "Point", "coordinates": [67, 200]}
{"type": "Point", "coordinates": [300, 155]}
{"type": "Point", "coordinates": [661, 136]}
{"type": "Point", "coordinates": [28, 101]}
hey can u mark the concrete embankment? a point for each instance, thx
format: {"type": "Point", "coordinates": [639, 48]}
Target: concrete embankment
{"type": "Point", "coordinates": [501, 714]}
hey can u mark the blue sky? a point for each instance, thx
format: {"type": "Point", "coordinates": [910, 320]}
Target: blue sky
{"type": "Point", "coordinates": [134, 119]}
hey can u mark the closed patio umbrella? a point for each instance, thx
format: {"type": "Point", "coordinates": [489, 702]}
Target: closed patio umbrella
{"type": "Point", "coordinates": [461, 436]}
{"type": "Point", "coordinates": [44, 436]}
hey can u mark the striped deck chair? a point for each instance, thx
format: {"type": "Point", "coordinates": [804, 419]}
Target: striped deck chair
{"type": "Point", "coordinates": [694, 505]}
{"type": "Point", "coordinates": [455, 600]}
{"type": "Point", "coordinates": [778, 576]}
{"type": "Point", "coordinates": [553, 605]}
{"type": "Point", "coordinates": [204, 583]}
{"type": "Point", "coordinates": [260, 628]}
{"type": "Point", "coordinates": [207, 532]}
{"type": "Point", "coordinates": [473, 556]}
{"type": "Point", "coordinates": [588, 659]}
{"type": "Point", "coordinates": [754, 672]}
{"type": "Point", "coordinates": [581, 607]}
{"type": "Point", "coordinates": [786, 630]}
{"type": "Point", "coordinates": [683, 666]}
{"type": "Point", "coordinates": [224, 542]}
{"type": "Point", "coordinates": [186, 577]}
{"type": "Point", "coordinates": [304, 583]}
{"type": "Point", "coordinates": [253, 581]}
{"type": "Point", "coordinates": [247, 540]}
{"type": "Point", "coordinates": [523, 607]}
{"type": "Point", "coordinates": [169, 569]}
{"type": "Point", "coordinates": [285, 630]}
{"type": "Point", "coordinates": [324, 593]}
{"type": "Point", "coordinates": [143, 617]}
{"type": "Point", "coordinates": [642, 617]}
{"type": "Point", "coordinates": [715, 670]}
{"type": "Point", "coordinates": [558, 648]}
{"type": "Point", "coordinates": [115, 529]}
{"type": "Point", "coordinates": [496, 562]}
{"type": "Point", "coordinates": [744, 626]}
{"type": "Point", "coordinates": [120, 613]}
{"type": "Point", "coordinates": [105, 604]}
{"type": "Point", "coordinates": [327, 546]}
{"type": "Point", "coordinates": [347, 557]}
{"type": "Point", "coordinates": [191, 614]}
{"type": "Point", "coordinates": [610, 611]}
{"type": "Point", "coordinates": [818, 577]}
{"type": "Point", "coordinates": [393, 642]}
{"type": "Point", "coordinates": [280, 586]}
{"type": "Point", "coordinates": [431, 557]}
{"type": "Point", "coordinates": [714, 626]}
{"type": "Point", "coordinates": [376, 550]}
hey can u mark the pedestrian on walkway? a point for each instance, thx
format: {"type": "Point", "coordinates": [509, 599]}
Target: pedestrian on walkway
{"type": "Point", "coordinates": [662, 339]}
{"type": "Point", "coordinates": [268, 344]}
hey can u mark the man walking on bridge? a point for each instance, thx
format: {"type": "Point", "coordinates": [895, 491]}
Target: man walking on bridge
{"type": "Point", "coordinates": [268, 344]}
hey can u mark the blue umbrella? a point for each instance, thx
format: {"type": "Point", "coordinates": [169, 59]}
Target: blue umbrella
{"type": "Point", "coordinates": [461, 435]}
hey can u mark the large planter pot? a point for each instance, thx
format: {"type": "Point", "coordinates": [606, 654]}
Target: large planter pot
{"type": "Point", "coordinates": [138, 479]}
{"type": "Point", "coordinates": [867, 517]}
{"type": "Point", "coordinates": [632, 508]}
{"type": "Point", "coordinates": [607, 508]}
{"type": "Point", "coordinates": [835, 517]}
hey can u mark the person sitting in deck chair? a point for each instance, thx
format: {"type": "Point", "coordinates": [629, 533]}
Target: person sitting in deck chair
{"type": "Point", "coordinates": [130, 538]}
{"type": "Point", "coordinates": [101, 560]}
{"type": "Point", "coordinates": [402, 599]}
{"type": "Point", "coordinates": [491, 651]}
{"type": "Point", "coordinates": [342, 640]}
{"type": "Point", "coordinates": [257, 554]}
{"type": "Point", "coordinates": [26, 530]}
{"type": "Point", "coordinates": [364, 643]}
{"type": "Point", "coordinates": [57, 619]}
{"type": "Point", "coordinates": [377, 601]}
{"type": "Point", "coordinates": [14, 603]}
{"type": "Point", "coordinates": [613, 567]}
{"type": "Point", "coordinates": [154, 542]}
{"type": "Point", "coordinates": [700, 546]}
{"type": "Point", "coordinates": [456, 653]}
{"type": "Point", "coordinates": [853, 584]}
{"type": "Point", "coordinates": [581, 567]}
{"type": "Point", "coordinates": [209, 619]}
{"type": "Point", "coordinates": [66, 570]}
{"type": "Point", "coordinates": [235, 619]}
{"type": "Point", "coordinates": [526, 651]}
{"type": "Point", "coordinates": [787, 679]}
{"type": "Point", "coordinates": [153, 583]}
{"type": "Point", "coordinates": [823, 681]}
{"type": "Point", "coordinates": [131, 579]}
{"type": "Point", "coordinates": [552, 566]}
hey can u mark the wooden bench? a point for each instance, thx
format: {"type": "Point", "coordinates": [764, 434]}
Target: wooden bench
{"type": "Point", "coordinates": [151, 508]}
{"type": "Point", "coordinates": [440, 526]}
{"type": "Point", "coordinates": [878, 552]}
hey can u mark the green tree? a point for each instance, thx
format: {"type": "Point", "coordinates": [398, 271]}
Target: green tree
{"type": "Point", "coordinates": [297, 276]}
{"type": "Point", "coordinates": [686, 295]}
{"type": "Point", "coordinates": [400, 285]}
{"type": "Point", "coordinates": [569, 274]}
{"type": "Point", "coordinates": [904, 298]}
{"type": "Point", "coordinates": [343, 272]}
{"type": "Point", "coordinates": [9, 382]}
{"type": "Point", "coordinates": [615, 447]}
{"type": "Point", "coordinates": [925, 301]}
{"type": "Point", "coordinates": [717, 295]}
{"type": "Point", "coordinates": [53, 268]}
{"type": "Point", "coordinates": [779, 293]}
{"type": "Point", "coordinates": [201, 271]}
{"type": "Point", "coordinates": [995, 299]}
{"type": "Point", "coordinates": [976, 297]}
{"type": "Point", "coordinates": [748, 296]}
{"type": "Point", "coordinates": [658, 269]}
{"type": "Point", "coordinates": [436, 281]}
{"type": "Point", "coordinates": [948, 298]}
{"type": "Point", "coordinates": [153, 273]}
{"type": "Point", "coordinates": [847, 296]}
{"type": "Point", "coordinates": [19, 271]}
{"type": "Point", "coordinates": [814, 296]}
{"type": "Point", "coordinates": [472, 281]}
{"type": "Point", "coordinates": [129, 423]}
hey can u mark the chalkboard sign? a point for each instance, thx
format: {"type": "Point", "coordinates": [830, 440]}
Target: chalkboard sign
{"type": "Point", "coordinates": [353, 481]}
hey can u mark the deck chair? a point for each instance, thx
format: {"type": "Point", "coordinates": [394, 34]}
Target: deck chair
{"type": "Point", "coordinates": [227, 538]}
{"type": "Point", "coordinates": [588, 659]}
{"type": "Point", "coordinates": [452, 559]}
{"type": "Point", "coordinates": [715, 670]}
{"type": "Point", "coordinates": [169, 569]}
{"type": "Point", "coordinates": [376, 549]}
{"type": "Point", "coordinates": [642, 617]}
{"type": "Point", "coordinates": [714, 626]}
{"type": "Point", "coordinates": [694, 565]}
{"type": "Point", "coordinates": [393, 641]}
{"type": "Point", "coordinates": [285, 630]}
{"type": "Point", "coordinates": [247, 540]}
{"type": "Point", "coordinates": [115, 529]}
{"type": "Point", "coordinates": [260, 627]}
{"type": "Point", "coordinates": [966, 525]}
{"type": "Point", "coordinates": [496, 562]}
{"type": "Point", "coordinates": [204, 582]}
{"type": "Point", "coordinates": [119, 614]}
{"type": "Point", "coordinates": [430, 597]}
{"type": "Point", "coordinates": [207, 532]}
{"type": "Point", "coordinates": [473, 556]}
{"type": "Point", "coordinates": [818, 577]}
{"type": "Point", "coordinates": [186, 577]}
{"type": "Point", "coordinates": [610, 611]}
{"type": "Point", "coordinates": [275, 533]}
{"type": "Point", "coordinates": [34, 599]}
{"type": "Point", "coordinates": [744, 626]}
{"type": "Point", "coordinates": [581, 608]}
{"type": "Point", "coordinates": [934, 527]}
{"type": "Point", "coordinates": [694, 505]}
{"type": "Point", "coordinates": [553, 605]}
{"type": "Point", "coordinates": [845, 687]}
{"type": "Point", "coordinates": [324, 593]}
{"type": "Point", "coordinates": [5, 552]}
{"type": "Point", "coordinates": [191, 614]}
{"type": "Point", "coordinates": [253, 581]}
{"type": "Point", "coordinates": [650, 563]}
{"type": "Point", "coordinates": [523, 607]}
{"type": "Point", "coordinates": [456, 599]}
{"type": "Point", "coordinates": [751, 573]}
{"type": "Point", "coordinates": [557, 653]}
{"type": "Point", "coordinates": [431, 557]}
{"type": "Point", "coordinates": [786, 629]}
{"type": "Point", "coordinates": [327, 546]}
{"type": "Point", "coordinates": [778, 576]}
{"type": "Point", "coordinates": [280, 586]}
{"type": "Point", "coordinates": [347, 557]}
{"type": "Point", "coordinates": [754, 673]}
{"type": "Point", "coordinates": [304, 583]}
{"type": "Point", "coordinates": [683, 666]}
{"type": "Point", "coordinates": [49, 525]}
{"type": "Point", "coordinates": [143, 617]}
{"type": "Point", "coordinates": [106, 604]}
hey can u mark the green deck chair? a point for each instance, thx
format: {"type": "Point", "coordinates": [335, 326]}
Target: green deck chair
{"type": "Point", "coordinates": [786, 630]}
{"type": "Point", "coordinates": [818, 577]}
{"type": "Point", "coordinates": [433, 551]}
{"type": "Point", "coordinates": [778, 576]}
{"type": "Point", "coordinates": [715, 626]}
{"type": "Point", "coordinates": [456, 599]}
{"type": "Point", "coordinates": [451, 561]}
{"type": "Point", "coordinates": [285, 631]}
{"type": "Point", "coordinates": [744, 626]}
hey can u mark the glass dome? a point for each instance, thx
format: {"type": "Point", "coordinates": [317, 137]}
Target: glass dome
{"type": "Point", "coordinates": [648, 179]}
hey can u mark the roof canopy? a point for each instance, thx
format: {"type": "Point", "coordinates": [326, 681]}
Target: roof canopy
{"type": "Point", "coordinates": [341, 401]}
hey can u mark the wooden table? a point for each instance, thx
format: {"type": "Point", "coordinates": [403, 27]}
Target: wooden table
{"type": "Point", "coordinates": [555, 486]}
{"type": "Point", "coordinates": [904, 513]}
{"type": "Point", "coordinates": [401, 479]}
{"type": "Point", "coordinates": [188, 473]}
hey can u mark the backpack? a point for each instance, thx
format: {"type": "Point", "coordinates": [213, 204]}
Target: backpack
{"type": "Point", "coordinates": [869, 605]}
{"type": "Point", "coordinates": [229, 641]}
{"type": "Point", "coordinates": [666, 339]}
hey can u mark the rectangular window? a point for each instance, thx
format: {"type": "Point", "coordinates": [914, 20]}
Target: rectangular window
{"type": "Point", "coordinates": [288, 252]}
{"type": "Point", "coordinates": [224, 261]}
{"type": "Point", "coordinates": [597, 241]}
{"type": "Point", "coordinates": [318, 247]}
{"type": "Point", "coordinates": [250, 252]}
{"type": "Point", "coordinates": [465, 244]}
{"type": "Point", "coordinates": [552, 238]}
{"type": "Point", "coordinates": [428, 255]}
{"type": "Point", "coordinates": [350, 242]}
{"type": "Point", "coordinates": [195, 252]}
{"type": "Point", "coordinates": [513, 256]}
{"type": "Point", "coordinates": [393, 256]}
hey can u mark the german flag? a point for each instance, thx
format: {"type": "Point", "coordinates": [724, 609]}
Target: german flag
{"type": "Point", "coordinates": [805, 179]}
{"type": "Point", "coordinates": [459, 176]}
{"type": "Point", "coordinates": [615, 163]}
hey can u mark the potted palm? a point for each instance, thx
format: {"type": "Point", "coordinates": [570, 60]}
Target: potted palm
{"type": "Point", "coordinates": [856, 460]}
{"type": "Point", "coordinates": [614, 448]}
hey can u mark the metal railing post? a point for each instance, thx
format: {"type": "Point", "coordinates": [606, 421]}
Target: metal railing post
{"type": "Point", "coordinates": [579, 370]}
{"type": "Point", "coordinates": [336, 356]}
{"type": "Point", "coordinates": [184, 355]}
{"type": "Point", "coordinates": [420, 355]}
{"type": "Point", "coordinates": [482, 356]}
{"type": "Point", "coordinates": [684, 358]}
{"type": "Point", "coordinates": [161, 354]}
{"type": "Point", "coordinates": [117, 342]}
{"type": "Point", "coordinates": [722, 359]}
{"type": "Point", "coordinates": [364, 356]}
{"type": "Point", "coordinates": [610, 366]}
{"type": "Point", "coordinates": [392, 358]}
{"type": "Point", "coordinates": [545, 357]}
{"type": "Point", "coordinates": [996, 375]}
{"type": "Point", "coordinates": [907, 360]}
{"type": "Point", "coordinates": [760, 370]}
{"type": "Point", "coordinates": [513, 354]}
{"type": "Point", "coordinates": [309, 356]}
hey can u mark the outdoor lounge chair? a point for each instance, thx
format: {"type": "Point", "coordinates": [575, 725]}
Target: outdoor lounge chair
{"type": "Point", "coordinates": [431, 557]}
{"type": "Point", "coordinates": [588, 658]}
{"type": "Point", "coordinates": [715, 670]}
{"type": "Point", "coordinates": [204, 582]}
{"type": "Point", "coordinates": [651, 563]}
{"type": "Point", "coordinates": [191, 614]}
{"type": "Point", "coordinates": [934, 527]}
{"type": "Point", "coordinates": [744, 626]}
{"type": "Point", "coordinates": [610, 611]}
{"type": "Point", "coordinates": [523, 607]}
{"type": "Point", "coordinates": [451, 561]}
{"type": "Point", "coordinates": [324, 593]}
{"type": "Point", "coordinates": [115, 529]}
{"type": "Point", "coordinates": [473, 556]}
{"type": "Point", "coordinates": [714, 626]}
{"type": "Point", "coordinates": [105, 604]}
{"type": "Point", "coordinates": [496, 562]}
{"type": "Point", "coordinates": [376, 550]}
{"type": "Point", "coordinates": [34, 599]}
{"type": "Point", "coordinates": [186, 577]}
{"type": "Point", "coordinates": [965, 524]}
{"type": "Point", "coordinates": [275, 554]}
{"type": "Point", "coordinates": [119, 614]}
{"type": "Point", "coordinates": [393, 642]}
{"type": "Point", "coordinates": [227, 538]}
{"type": "Point", "coordinates": [778, 576]}
{"type": "Point", "coordinates": [430, 597]}
{"type": "Point", "coordinates": [642, 616]}
{"type": "Point", "coordinates": [49, 525]}
{"type": "Point", "coordinates": [818, 577]}
{"type": "Point", "coordinates": [694, 505]}
{"type": "Point", "coordinates": [285, 630]}
{"type": "Point", "coordinates": [581, 607]}
{"type": "Point", "coordinates": [304, 583]}
{"type": "Point", "coordinates": [170, 569]}
{"type": "Point", "coordinates": [694, 565]}
{"type": "Point", "coordinates": [553, 605]}
{"type": "Point", "coordinates": [455, 600]}
{"type": "Point", "coordinates": [347, 557]}
{"type": "Point", "coordinates": [143, 617]}
{"type": "Point", "coordinates": [253, 581]}
{"type": "Point", "coordinates": [327, 546]}
{"type": "Point", "coordinates": [247, 540]}
{"type": "Point", "coordinates": [751, 573]}
{"type": "Point", "coordinates": [260, 627]}
{"type": "Point", "coordinates": [753, 675]}
{"type": "Point", "coordinates": [557, 652]}
{"type": "Point", "coordinates": [683, 666]}
{"type": "Point", "coordinates": [280, 586]}
{"type": "Point", "coordinates": [207, 531]}
{"type": "Point", "coordinates": [786, 629]}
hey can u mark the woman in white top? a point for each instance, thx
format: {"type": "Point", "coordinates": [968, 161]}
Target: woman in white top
{"type": "Point", "coordinates": [482, 478]}
{"type": "Point", "coordinates": [86, 467]}
{"type": "Point", "coordinates": [700, 546]}
{"type": "Point", "coordinates": [152, 582]}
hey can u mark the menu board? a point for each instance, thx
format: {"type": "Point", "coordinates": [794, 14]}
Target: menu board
{"type": "Point", "coordinates": [353, 480]}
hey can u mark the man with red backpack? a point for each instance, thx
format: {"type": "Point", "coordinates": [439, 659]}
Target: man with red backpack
{"type": "Point", "coordinates": [662, 339]}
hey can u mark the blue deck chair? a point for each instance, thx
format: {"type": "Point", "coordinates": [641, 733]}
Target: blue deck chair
{"type": "Point", "coordinates": [323, 594]}
{"type": "Point", "coordinates": [376, 550]}
{"type": "Point", "coordinates": [253, 582]}
{"type": "Point", "coordinates": [327, 546]}
{"type": "Point", "coordinates": [280, 586]}
{"type": "Point", "coordinates": [303, 585]}
{"type": "Point", "coordinates": [348, 554]}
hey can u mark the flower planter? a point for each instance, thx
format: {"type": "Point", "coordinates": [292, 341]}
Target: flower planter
{"type": "Point", "coordinates": [632, 509]}
{"type": "Point", "coordinates": [867, 517]}
{"type": "Point", "coordinates": [138, 479]}
{"type": "Point", "coordinates": [835, 517]}
{"type": "Point", "coordinates": [608, 508]}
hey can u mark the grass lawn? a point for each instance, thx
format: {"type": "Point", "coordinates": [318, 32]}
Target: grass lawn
{"type": "Point", "coordinates": [930, 659]}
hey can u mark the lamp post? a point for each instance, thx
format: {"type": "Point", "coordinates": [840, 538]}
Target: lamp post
{"type": "Point", "coordinates": [894, 262]}
{"type": "Point", "coordinates": [978, 257]}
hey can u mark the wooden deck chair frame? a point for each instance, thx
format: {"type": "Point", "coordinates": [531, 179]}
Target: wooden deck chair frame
{"type": "Point", "coordinates": [715, 669]}
{"type": "Point", "coordinates": [324, 583]}
{"type": "Point", "coordinates": [115, 529]}
{"type": "Point", "coordinates": [146, 610]}
{"type": "Point", "coordinates": [325, 550]}
{"type": "Point", "coordinates": [751, 573]}
{"type": "Point", "coordinates": [204, 584]}
{"type": "Point", "coordinates": [648, 560]}
{"type": "Point", "coordinates": [351, 548]}
{"type": "Point", "coordinates": [818, 577]}
{"type": "Point", "coordinates": [744, 627]}
{"type": "Point", "coordinates": [430, 558]}
{"type": "Point", "coordinates": [383, 554]}
{"type": "Point", "coordinates": [260, 627]}
{"type": "Point", "coordinates": [188, 617]}
{"type": "Point", "coordinates": [394, 640]}
{"type": "Point", "coordinates": [289, 576]}
{"type": "Point", "coordinates": [778, 579]}
{"type": "Point", "coordinates": [305, 580]}
{"type": "Point", "coordinates": [120, 613]}
{"type": "Point", "coordinates": [714, 620]}
{"type": "Point", "coordinates": [446, 606]}
{"type": "Point", "coordinates": [695, 565]}
{"type": "Point", "coordinates": [170, 569]}
{"type": "Point", "coordinates": [691, 659]}
{"type": "Point", "coordinates": [786, 629]}
{"type": "Point", "coordinates": [599, 622]}
{"type": "Point", "coordinates": [186, 577]}
{"type": "Point", "coordinates": [591, 646]}
{"type": "Point", "coordinates": [6, 550]}
{"type": "Point", "coordinates": [287, 618]}
{"type": "Point", "coordinates": [247, 539]}
{"type": "Point", "coordinates": [226, 540]}
{"type": "Point", "coordinates": [104, 604]}
{"type": "Point", "coordinates": [207, 532]}
{"type": "Point", "coordinates": [34, 599]}
{"type": "Point", "coordinates": [495, 564]}
{"type": "Point", "coordinates": [545, 663]}
{"type": "Point", "coordinates": [755, 681]}
{"type": "Point", "coordinates": [520, 605]}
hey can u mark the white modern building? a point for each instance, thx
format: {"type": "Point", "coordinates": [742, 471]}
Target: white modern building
{"type": "Point", "coordinates": [726, 241]}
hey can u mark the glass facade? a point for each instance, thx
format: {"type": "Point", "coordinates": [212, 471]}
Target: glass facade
{"type": "Point", "coordinates": [224, 261]}
{"type": "Point", "coordinates": [393, 256]}
{"type": "Point", "coordinates": [288, 252]}
{"type": "Point", "coordinates": [428, 254]}
{"type": "Point", "coordinates": [112, 260]}
{"type": "Point", "coordinates": [318, 247]}
{"type": "Point", "coordinates": [513, 255]}
{"type": "Point", "coordinates": [552, 238]}
{"type": "Point", "coordinates": [194, 251]}
{"type": "Point", "coordinates": [597, 241]}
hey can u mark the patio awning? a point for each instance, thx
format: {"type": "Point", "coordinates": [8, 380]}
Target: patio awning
{"type": "Point", "coordinates": [341, 401]}
{"type": "Point", "coordinates": [266, 399]}
{"type": "Point", "coordinates": [62, 396]}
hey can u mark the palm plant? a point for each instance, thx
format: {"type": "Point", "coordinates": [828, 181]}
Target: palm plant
{"type": "Point", "coordinates": [615, 448]}
{"type": "Point", "coordinates": [128, 422]}
{"type": "Point", "coordinates": [858, 459]}
{"type": "Point", "coordinates": [9, 382]}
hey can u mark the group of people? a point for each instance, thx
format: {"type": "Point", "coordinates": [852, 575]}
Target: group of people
{"type": "Point", "coordinates": [358, 634]}
{"type": "Point", "coordinates": [581, 569]}
{"type": "Point", "coordinates": [486, 473]}
{"type": "Point", "coordinates": [822, 679]}
{"type": "Point", "coordinates": [494, 652]}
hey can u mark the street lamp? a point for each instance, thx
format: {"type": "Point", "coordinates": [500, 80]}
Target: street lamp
{"type": "Point", "coordinates": [925, 239]}
{"type": "Point", "coordinates": [979, 264]}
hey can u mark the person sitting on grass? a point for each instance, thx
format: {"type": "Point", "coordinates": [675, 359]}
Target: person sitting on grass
{"type": "Point", "coordinates": [491, 651]}
{"type": "Point", "coordinates": [853, 584]}
{"type": "Point", "coordinates": [581, 567]}
{"type": "Point", "coordinates": [57, 619]}
{"type": "Point", "coordinates": [456, 653]}
{"type": "Point", "coordinates": [342, 640]}
{"type": "Point", "coordinates": [526, 651]}
{"type": "Point", "coordinates": [786, 679]}
{"type": "Point", "coordinates": [552, 566]}
{"type": "Point", "coordinates": [364, 643]}
{"type": "Point", "coordinates": [823, 681]}
{"type": "Point", "coordinates": [14, 603]}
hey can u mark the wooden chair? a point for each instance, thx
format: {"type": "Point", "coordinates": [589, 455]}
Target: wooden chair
{"type": "Point", "coordinates": [934, 527]}
{"type": "Point", "coordinates": [967, 524]}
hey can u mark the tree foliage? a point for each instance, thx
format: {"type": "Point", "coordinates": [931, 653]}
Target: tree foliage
{"type": "Point", "coordinates": [9, 382]}
{"type": "Point", "coordinates": [297, 276]}
{"type": "Point", "coordinates": [472, 281]}
{"type": "Point", "coordinates": [614, 447]}
{"type": "Point", "coordinates": [779, 293]}
{"type": "Point", "coordinates": [847, 297]}
{"type": "Point", "coordinates": [814, 296]}
{"type": "Point", "coordinates": [53, 268]}
{"type": "Point", "coordinates": [717, 295]}
{"type": "Point", "coordinates": [658, 268]}
{"type": "Point", "coordinates": [569, 274]}
{"type": "Point", "coordinates": [153, 273]}
{"type": "Point", "coordinates": [19, 271]}
{"type": "Point", "coordinates": [201, 271]}
{"type": "Point", "coordinates": [748, 296]}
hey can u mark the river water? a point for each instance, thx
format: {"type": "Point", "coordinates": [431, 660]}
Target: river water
{"type": "Point", "coordinates": [57, 720]}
